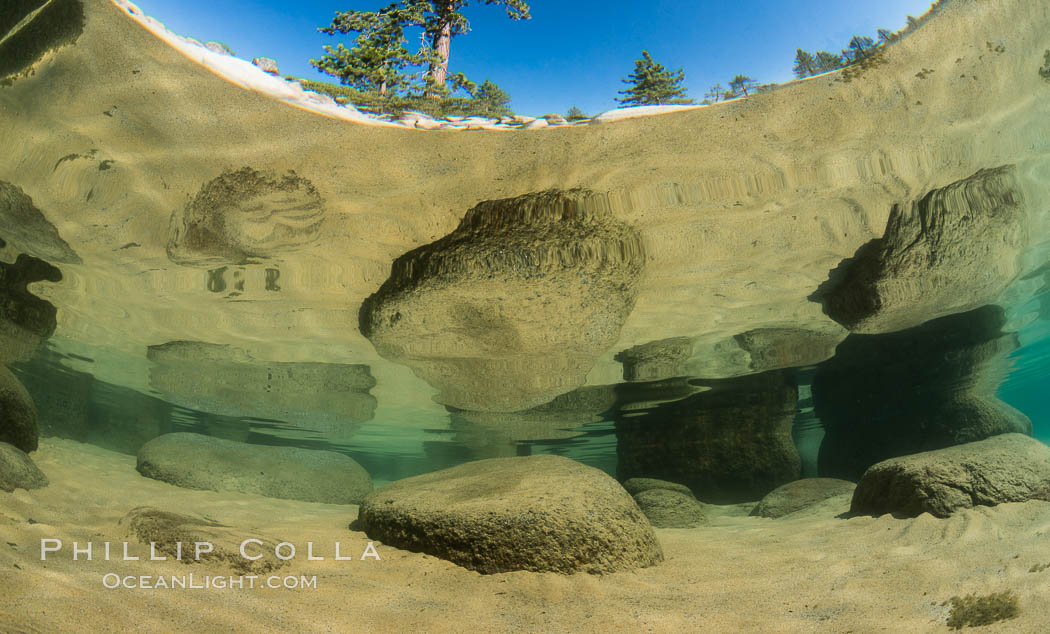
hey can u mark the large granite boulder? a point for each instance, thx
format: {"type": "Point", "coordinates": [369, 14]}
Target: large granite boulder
{"type": "Point", "coordinates": [953, 250]}
{"type": "Point", "coordinates": [670, 509]}
{"type": "Point", "coordinates": [18, 471]}
{"type": "Point", "coordinates": [18, 424]}
{"type": "Point", "coordinates": [729, 444]}
{"type": "Point", "coordinates": [540, 513]}
{"type": "Point", "coordinates": [801, 494]}
{"type": "Point", "coordinates": [194, 461]}
{"type": "Point", "coordinates": [924, 388]}
{"type": "Point", "coordinates": [514, 306]}
{"type": "Point", "coordinates": [268, 64]}
{"type": "Point", "coordinates": [1005, 468]}
{"type": "Point", "coordinates": [146, 524]}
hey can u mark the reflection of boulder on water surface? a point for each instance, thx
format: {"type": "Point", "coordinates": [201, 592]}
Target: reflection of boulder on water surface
{"type": "Point", "coordinates": [775, 348]}
{"type": "Point", "coordinates": [226, 380]}
{"type": "Point", "coordinates": [729, 444]}
{"type": "Point", "coordinates": [28, 230]}
{"type": "Point", "coordinates": [916, 390]}
{"type": "Point", "coordinates": [661, 359]}
{"type": "Point", "coordinates": [757, 350]}
{"type": "Point", "coordinates": [513, 307]}
{"type": "Point", "coordinates": [246, 214]}
{"type": "Point", "coordinates": [498, 434]}
{"type": "Point", "coordinates": [31, 28]}
{"type": "Point", "coordinates": [953, 250]}
{"type": "Point", "coordinates": [25, 319]}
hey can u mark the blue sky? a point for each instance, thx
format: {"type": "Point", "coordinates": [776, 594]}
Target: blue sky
{"type": "Point", "coordinates": [569, 53]}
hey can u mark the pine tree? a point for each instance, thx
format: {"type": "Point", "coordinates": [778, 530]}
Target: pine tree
{"type": "Point", "coordinates": [492, 99]}
{"type": "Point", "coordinates": [825, 62]}
{"type": "Point", "coordinates": [714, 93]}
{"type": "Point", "coordinates": [887, 36]}
{"type": "Point", "coordinates": [859, 48]}
{"type": "Point", "coordinates": [379, 54]}
{"type": "Point", "coordinates": [445, 21]}
{"type": "Point", "coordinates": [575, 114]}
{"type": "Point", "coordinates": [741, 84]}
{"type": "Point", "coordinates": [805, 65]}
{"type": "Point", "coordinates": [459, 81]}
{"type": "Point", "coordinates": [652, 84]}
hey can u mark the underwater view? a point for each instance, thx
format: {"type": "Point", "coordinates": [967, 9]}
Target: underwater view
{"type": "Point", "coordinates": [357, 347]}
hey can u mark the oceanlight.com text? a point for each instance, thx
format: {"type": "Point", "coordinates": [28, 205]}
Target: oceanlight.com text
{"type": "Point", "coordinates": [112, 581]}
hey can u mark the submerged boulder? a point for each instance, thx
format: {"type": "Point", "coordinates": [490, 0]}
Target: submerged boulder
{"type": "Point", "coordinates": [18, 471]}
{"type": "Point", "coordinates": [539, 513]}
{"type": "Point", "coordinates": [514, 306]}
{"type": "Point", "coordinates": [1006, 468]}
{"type": "Point", "coordinates": [18, 421]}
{"type": "Point", "coordinates": [166, 530]}
{"type": "Point", "coordinates": [729, 444]}
{"type": "Point", "coordinates": [194, 461]}
{"type": "Point", "coordinates": [634, 486]}
{"type": "Point", "coordinates": [670, 509]}
{"type": "Point", "coordinates": [953, 250]}
{"type": "Point", "coordinates": [800, 494]}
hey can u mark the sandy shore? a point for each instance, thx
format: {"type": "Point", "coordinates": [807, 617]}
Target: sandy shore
{"type": "Point", "coordinates": [810, 572]}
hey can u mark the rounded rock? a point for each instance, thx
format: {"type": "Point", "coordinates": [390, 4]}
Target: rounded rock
{"type": "Point", "coordinates": [538, 513]}
{"type": "Point", "coordinates": [670, 509]}
{"type": "Point", "coordinates": [195, 461]}
{"type": "Point", "coordinates": [18, 471]}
